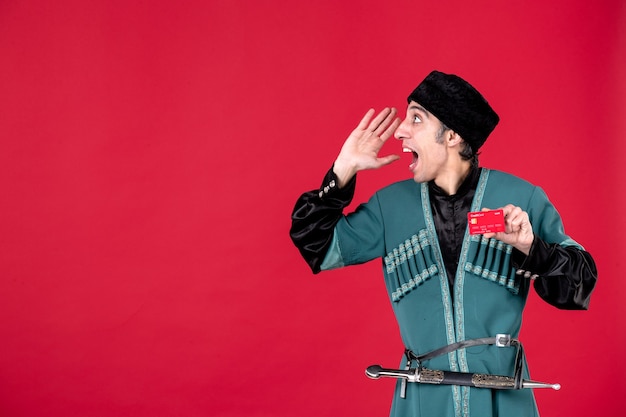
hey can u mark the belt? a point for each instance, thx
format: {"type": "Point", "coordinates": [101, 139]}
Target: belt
{"type": "Point", "coordinates": [423, 375]}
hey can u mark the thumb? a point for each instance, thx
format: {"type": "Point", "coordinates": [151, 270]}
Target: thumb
{"type": "Point", "coordinates": [386, 160]}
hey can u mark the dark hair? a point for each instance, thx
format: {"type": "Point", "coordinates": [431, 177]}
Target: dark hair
{"type": "Point", "coordinates": [466, 152]}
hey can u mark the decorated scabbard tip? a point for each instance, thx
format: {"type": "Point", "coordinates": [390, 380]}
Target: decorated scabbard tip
{"type": "Point", "coordinates": [535, 384]}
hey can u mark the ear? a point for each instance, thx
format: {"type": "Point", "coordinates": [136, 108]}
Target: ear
{"type": "Point", "coordinates": [453, 138]}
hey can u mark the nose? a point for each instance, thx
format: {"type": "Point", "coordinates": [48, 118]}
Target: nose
{"type": "Point", "coordinates": [401, 131]}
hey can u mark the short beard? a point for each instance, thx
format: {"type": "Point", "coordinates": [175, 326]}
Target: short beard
{"type": "Point", "coordinates": [440, 133]}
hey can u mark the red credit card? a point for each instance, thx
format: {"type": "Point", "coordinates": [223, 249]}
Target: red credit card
{"type": "Point", "coordinates": [480, 222]}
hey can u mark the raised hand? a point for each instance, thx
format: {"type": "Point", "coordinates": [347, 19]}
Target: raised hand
{"type": "Point", "coordinates": [360, 150]}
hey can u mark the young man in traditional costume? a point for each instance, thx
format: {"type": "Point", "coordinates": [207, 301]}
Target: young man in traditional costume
{"type": "Point", "coordinates": [458, 297]}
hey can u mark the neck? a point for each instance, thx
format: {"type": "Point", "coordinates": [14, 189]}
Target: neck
{"type": "Point", "coordinates": [453, 177]}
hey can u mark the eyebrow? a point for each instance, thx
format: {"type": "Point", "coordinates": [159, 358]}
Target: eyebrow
{"type": "Point", "coordinates": [420, 109]}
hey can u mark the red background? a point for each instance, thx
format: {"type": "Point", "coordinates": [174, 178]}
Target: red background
{"type": "Point", "coordinates": [152, 153]}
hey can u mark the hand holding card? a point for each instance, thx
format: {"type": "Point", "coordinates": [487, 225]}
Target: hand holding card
{"type": "Point", "coordinates": [509, 224]}
{"type": "Point", "coordinates": [481, 222]}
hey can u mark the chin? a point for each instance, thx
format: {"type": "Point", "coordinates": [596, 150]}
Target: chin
{"type": "Point", "coordinates": [418, 179]}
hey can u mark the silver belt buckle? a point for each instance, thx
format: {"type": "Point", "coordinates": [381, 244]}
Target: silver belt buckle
{"type": "Point", "coordinates": [503, 340]}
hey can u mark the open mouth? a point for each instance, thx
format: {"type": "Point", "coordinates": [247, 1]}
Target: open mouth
{"type": "Point", "coordinates": [415, 157]}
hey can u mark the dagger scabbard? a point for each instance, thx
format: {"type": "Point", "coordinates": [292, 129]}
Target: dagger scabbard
{"type": "Point", "coordinates": [431, 376]}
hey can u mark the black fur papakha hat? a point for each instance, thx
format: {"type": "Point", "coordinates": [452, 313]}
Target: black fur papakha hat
{"type": "Point", "coordinates": [458, 105]}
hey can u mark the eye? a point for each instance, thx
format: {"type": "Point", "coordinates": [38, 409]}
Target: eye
{"type": "Point", "coordinates": [416, 119]}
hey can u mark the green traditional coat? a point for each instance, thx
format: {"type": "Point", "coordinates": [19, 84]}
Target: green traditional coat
{"type": "Point", "coordinates": [488, 296]}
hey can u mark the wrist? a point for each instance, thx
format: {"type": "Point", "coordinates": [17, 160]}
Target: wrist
{"type": "Point", "coordinates": [344, 172]}
{"type": "Point", "coordinates": [526, 247]}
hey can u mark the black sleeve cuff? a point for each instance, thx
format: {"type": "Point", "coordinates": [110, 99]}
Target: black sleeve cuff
{"type": "Point", "coordinates": [530, 265]}
{"type": "Point", "coordinates": [329, 190]}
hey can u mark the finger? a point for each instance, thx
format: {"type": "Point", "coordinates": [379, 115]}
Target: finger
{"type": "Point", "coordinates": [389, 120]}
{"type": "Point", "coordinates": [380, 122]}
{"type": "Point", "coordinates": [521, 221]}
{"type": "Point", "coordinates": [391, 129]}
{"type": "Point", "coordinates": [515, 219]}
{"type": "Point", "coordinates": [508, 209]}
{"type": "Point", "coordinates": [366, 119]}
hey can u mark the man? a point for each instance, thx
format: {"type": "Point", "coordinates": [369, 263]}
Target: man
{"type": "Point", "coordinates": [446, 285]}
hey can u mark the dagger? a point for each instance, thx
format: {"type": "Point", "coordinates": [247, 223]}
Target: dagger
{"type": "Point", "coordinates": [432, 376]}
